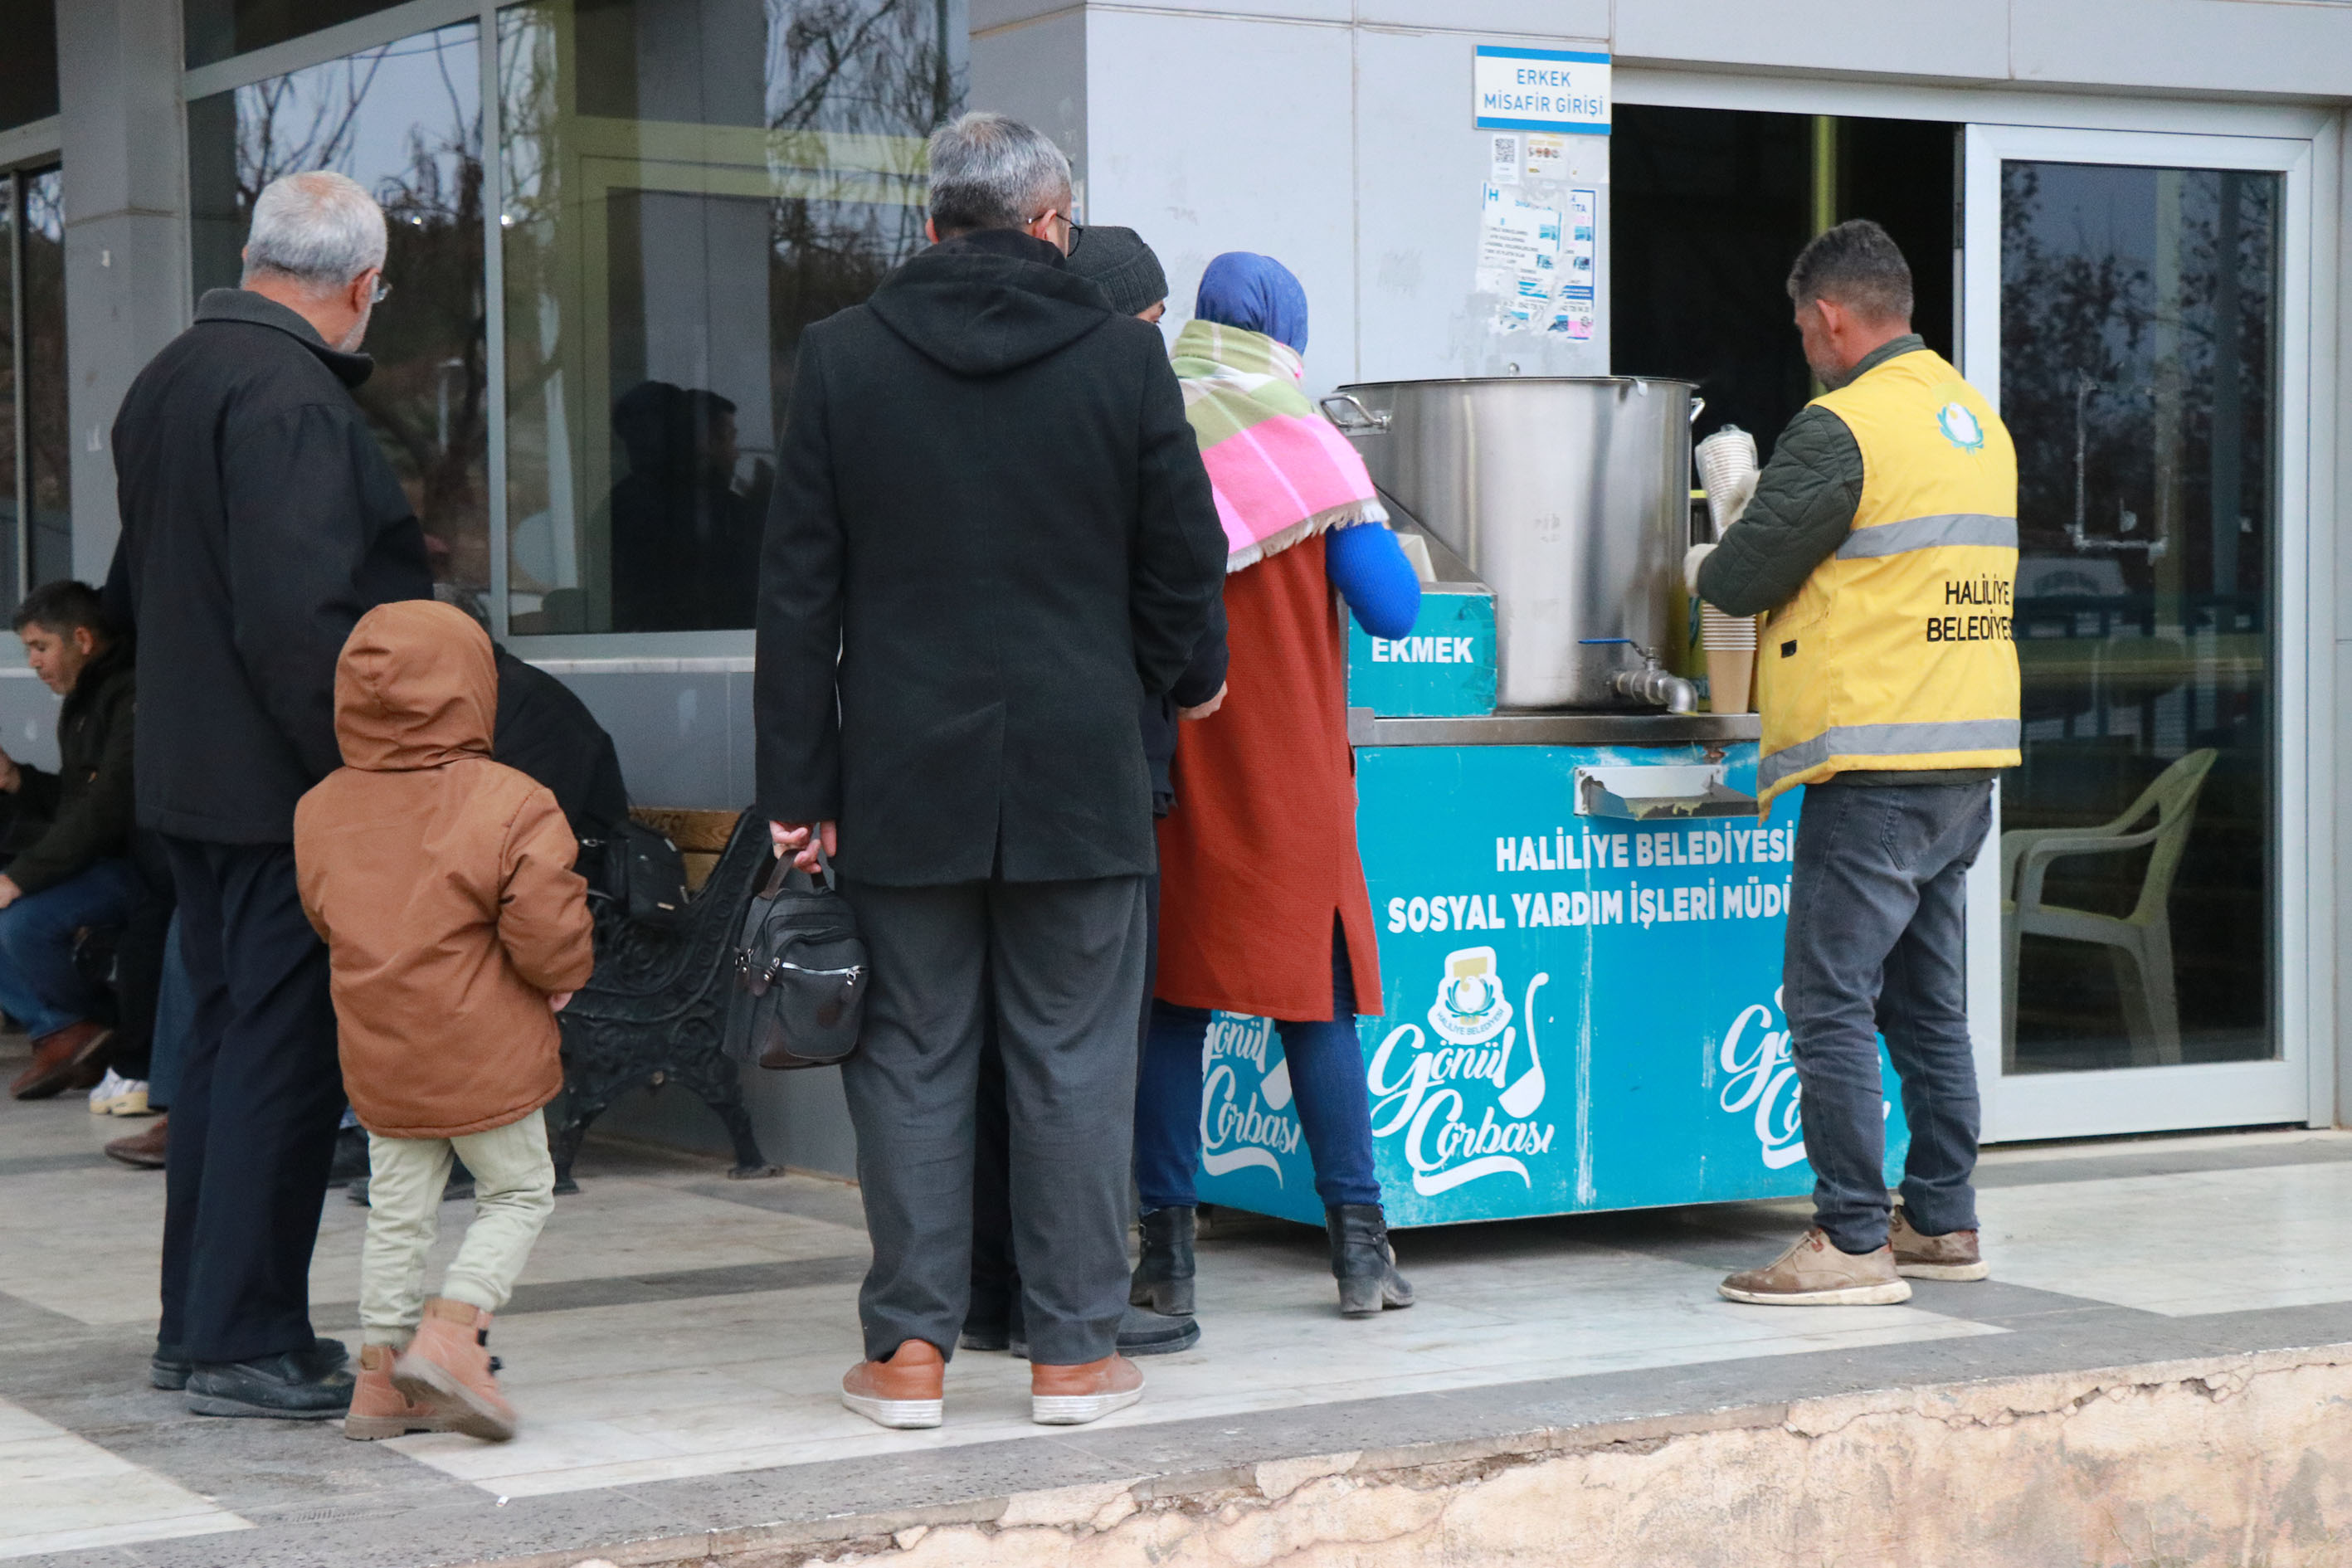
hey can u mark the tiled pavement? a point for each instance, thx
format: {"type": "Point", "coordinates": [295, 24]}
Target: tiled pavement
{"type": "Point", "coordinates": [678, 1343]}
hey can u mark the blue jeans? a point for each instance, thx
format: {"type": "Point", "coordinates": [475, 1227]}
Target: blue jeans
{"type": "Point", "coordinates": [1327, 1074]}
{"type": "Point", "coordinates": [1877, 945]}
{"type": "Point", "coordinates": [39, 986]}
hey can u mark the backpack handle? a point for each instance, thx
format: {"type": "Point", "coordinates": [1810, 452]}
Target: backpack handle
{"type": "Point", "coordinates": [781, 878]}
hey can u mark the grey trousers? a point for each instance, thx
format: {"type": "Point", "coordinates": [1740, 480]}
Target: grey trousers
{"type": "Point", "coordinates": [1061, 964]}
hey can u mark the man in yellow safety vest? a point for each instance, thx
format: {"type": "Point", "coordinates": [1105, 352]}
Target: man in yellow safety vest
{"type": "Point", "coordinates": [1883, 539]}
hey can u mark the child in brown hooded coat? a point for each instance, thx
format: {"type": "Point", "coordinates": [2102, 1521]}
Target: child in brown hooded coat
{"type": "Point", "coordinates": [442, 882]}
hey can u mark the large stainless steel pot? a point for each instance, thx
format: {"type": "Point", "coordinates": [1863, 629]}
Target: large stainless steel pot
{"type": "Point", "coordinates": [1571, 498]}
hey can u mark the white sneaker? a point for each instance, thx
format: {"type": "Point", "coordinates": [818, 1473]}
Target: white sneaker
{"type": "Point", "coordinates": [118, 1096]}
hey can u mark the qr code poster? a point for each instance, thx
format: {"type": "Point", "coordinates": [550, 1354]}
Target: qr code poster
{"type": "Point", "coordinates": [1505, 152]}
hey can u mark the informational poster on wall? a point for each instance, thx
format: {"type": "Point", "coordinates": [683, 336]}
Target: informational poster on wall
{"type": "Point", "coordinates": [1539, 255]}
{"type": "Point", "coordinates": [1579, 1012]}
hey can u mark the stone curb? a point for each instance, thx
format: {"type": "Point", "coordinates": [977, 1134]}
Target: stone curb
{"type": "Point", "coordinates": [1225, 1494]}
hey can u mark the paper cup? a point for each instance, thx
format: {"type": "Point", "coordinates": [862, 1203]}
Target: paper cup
{"type": "Point", "coordinates": [1730, 672]}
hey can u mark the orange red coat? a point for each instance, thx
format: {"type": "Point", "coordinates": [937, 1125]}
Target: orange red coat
{"type": "Point", "coordinates": [1259, 857]}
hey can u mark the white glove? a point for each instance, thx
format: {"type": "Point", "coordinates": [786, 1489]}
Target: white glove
{"type": "Point", "coordinates": [1737, 494]}
{"type": "Point", "coordinates": [1691, 564]}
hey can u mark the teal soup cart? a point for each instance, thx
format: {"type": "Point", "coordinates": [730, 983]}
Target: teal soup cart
{"type": "Point", "coordinates": [1580, 920]}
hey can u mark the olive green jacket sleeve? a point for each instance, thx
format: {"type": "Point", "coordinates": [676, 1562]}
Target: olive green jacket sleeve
{"type": "Point", "coordinates": [1803, 511]}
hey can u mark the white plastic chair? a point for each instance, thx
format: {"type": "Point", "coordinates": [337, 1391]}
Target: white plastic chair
{"type": "Point", "coordinates": [2138, 944]}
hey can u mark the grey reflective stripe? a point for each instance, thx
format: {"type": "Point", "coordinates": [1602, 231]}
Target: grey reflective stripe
{"type": "Point", "coordinates": [1889, 741]}
{"type": "Point", "coordinates": [1928, 532]}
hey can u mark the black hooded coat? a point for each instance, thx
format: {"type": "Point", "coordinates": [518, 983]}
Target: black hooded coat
{"type": "Point", "coordinates": [991, 535]}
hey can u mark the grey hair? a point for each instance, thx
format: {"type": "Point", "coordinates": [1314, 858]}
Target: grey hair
{"type": "Point", "coordinates": [1857, 265]}
{"type": "Point", "coordinates": [321, 229]}
{"type": "Point", "coordinates": [989, 171]}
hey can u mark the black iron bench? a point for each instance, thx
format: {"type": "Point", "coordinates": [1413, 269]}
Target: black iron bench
{"type": "Point", "coordinates": [656, 1012]}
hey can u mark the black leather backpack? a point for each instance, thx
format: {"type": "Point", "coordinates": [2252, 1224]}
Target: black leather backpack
{"type": "Point", "coordinates": [636, 872]}
{"type": "Point", "coordinates": [799, 967]}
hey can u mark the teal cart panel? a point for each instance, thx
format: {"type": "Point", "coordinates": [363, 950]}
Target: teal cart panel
{"type": "Point", "coordinates": [1443, 668]}
{"type": "Point", "coordinates": [1579, 1013]}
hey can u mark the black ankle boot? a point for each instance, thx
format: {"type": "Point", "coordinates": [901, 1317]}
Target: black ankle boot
{"type": "Point", "coordinates": [1164, 1277]}
{"type": "Point", "coordinates": [1363, 1261]}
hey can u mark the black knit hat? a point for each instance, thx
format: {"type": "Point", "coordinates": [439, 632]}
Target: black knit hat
{"type": "Point", "coordinates": [1122, 265]}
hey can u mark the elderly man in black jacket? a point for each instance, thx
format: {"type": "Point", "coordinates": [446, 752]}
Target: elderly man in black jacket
{"type": "Point", "coordinates": [991, 538]}
{"type": "Point", "coordinates": [77, 872]}
{"type": "Point", "coordinates": [260, 520]}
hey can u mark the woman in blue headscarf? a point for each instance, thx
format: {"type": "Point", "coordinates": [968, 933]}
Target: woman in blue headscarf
{"type": "Point", "coordinates": [1263, 909]}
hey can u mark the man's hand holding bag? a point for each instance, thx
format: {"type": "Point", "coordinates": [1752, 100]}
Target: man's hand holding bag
{"type": "Point", "coordinates": [802, 968]}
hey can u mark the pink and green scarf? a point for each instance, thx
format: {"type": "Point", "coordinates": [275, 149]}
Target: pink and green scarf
{"type": "Point", "coordinates": [1280, 470]}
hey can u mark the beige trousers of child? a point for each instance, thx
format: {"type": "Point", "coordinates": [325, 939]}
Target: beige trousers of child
{"type": "Point", "coordinates": [514, 1192]}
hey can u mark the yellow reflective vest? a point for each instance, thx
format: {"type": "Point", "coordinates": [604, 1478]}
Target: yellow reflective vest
{"type": "Point", "coordinates": [1895, 654]}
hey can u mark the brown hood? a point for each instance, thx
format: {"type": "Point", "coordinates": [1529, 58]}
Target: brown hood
{"type": "Point", "coordinates": [416, 687]}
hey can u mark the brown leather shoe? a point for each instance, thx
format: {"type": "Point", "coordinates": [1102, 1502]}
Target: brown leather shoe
{"type": "Point", "coordinates": [1074, 1395]}
{"type": "Point", "coordinates": [72, 1057]}
{"type": "Point", "coordinates": [905, 1391]}
{"type": "Point", "coordinates": [381, 1410]}
{"type": "Point", "coordinates": [1815, 1273]}
{"type": "Point", "coordinates": [1952, 1255]}
{"type": "Point", "coordinates": [447, 1368]}
{"type": "Point", "coordinates": [145, 1149]}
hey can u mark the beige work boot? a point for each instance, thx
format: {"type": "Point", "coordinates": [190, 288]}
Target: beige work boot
{"type": "Point", "coordinates": [907, 1391]}
{"type": "Point", "coordinates": [1952, 1255]}
{"type": "Point", "coordinates": [1074, 1395]}
{"type": "Point", "coordinates": [447, 1369]}
{"type": "Point", "coordinates": [380, 1410]}
{"type": "Point", "coordinates": [1815, 1273]}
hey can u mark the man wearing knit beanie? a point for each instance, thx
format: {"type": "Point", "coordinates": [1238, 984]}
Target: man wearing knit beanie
{"type": "Point", "coordinates": [1123, 266]}
{"type": "Point", "coordinates": [1119, 262]}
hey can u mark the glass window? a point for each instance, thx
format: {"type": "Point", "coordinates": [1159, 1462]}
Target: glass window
{"type": "Point", "coordinates": [688, 183]}
{"type": "Point", "coordinates": [2139, 376]}
{"type": "Point", "coordinates": [28, 61]}
{"type": "Point", "coordinates": [215, 30]}
{"type": "Point", "coordinates": [48, 455]}
{"type": "Point", "coordinates": [406, 122]}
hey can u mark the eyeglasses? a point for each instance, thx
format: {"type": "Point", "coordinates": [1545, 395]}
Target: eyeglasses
{"type": "Point", "coordinates": [381, 293]}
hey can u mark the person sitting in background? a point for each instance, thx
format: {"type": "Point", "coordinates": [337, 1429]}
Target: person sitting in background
{"type": "Point", "coordinates": [1263, 909]}
{"type": "Point", "coordinates": [76, 873]}
{"type": "Point", "coordinates": [545, 731]}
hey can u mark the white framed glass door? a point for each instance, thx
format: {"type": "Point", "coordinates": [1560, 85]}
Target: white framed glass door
{"type": "Point", "coordinates": [2137, 306]}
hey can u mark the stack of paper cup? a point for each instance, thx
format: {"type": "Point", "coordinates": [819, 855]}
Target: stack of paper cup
{"type": "Point", "coordinates": [1725, 460]}
{"type": "Point", "coordinates": [1730, 644]}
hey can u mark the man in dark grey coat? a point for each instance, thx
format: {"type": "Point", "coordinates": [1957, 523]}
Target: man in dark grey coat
{"type": "Point", "coordinates": [991, 537]}
{"type": "Point", "coordinates": [259, 521]}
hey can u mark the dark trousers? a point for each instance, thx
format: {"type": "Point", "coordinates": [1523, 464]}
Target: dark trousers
{"type": "Point", "coordinates": [253, 1120]}
{"type": "Point", "coordinates": [1057, 969]}
{"type": "Point", "coordinates": [1876, 944]}
{"type": "Point", "coordinates": [995, 1275]}
{"type": "Point", "coordinates": [1327, 1073]}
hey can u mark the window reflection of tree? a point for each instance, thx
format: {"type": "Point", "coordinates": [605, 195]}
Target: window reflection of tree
{"type": "Point", "coordinates": [880, 67]}
{"type": "Point", "coordinates": [2161, 423]}
{"type": "Point", "coordinates": [427, 396]}
{"type": "Point", "coordinates": [848, 90]}
{"type": "Point", "coordinates": [48, 451]}
{"type": "Point", "coordinates": [2138, 358]}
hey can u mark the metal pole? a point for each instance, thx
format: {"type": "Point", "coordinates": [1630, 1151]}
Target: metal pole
{"type": "Point", "coordinates": [494, 311]}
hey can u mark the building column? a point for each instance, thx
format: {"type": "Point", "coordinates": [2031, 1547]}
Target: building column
{"type": "Point", "coordinates": [122, 144]}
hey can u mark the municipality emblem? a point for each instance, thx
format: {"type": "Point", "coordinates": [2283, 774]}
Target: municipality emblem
{"type": "Point", "coordinates": [1961, 427]}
